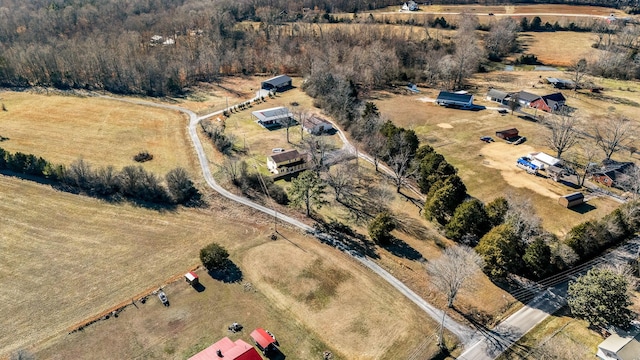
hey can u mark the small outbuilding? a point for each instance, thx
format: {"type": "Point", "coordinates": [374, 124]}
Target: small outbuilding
{"type": "Point", "coordinates": [278, 83]}
{"type": "Point", "coordinates": [264, 340]}
{"type": "Point", "coordinates": [192, 278]}
{"type": "Point", "coordinates": [507, 134]}
{"type": "Point", "coordinates": [316, 125]}
{"type": "Point", "coordinates": [456, 100]}
{"type": "Point", "coordinates": [272, 117]}
{"type": "Point", "coordinates": [571, 200]}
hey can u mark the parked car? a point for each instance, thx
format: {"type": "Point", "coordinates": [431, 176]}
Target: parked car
{"type": "Point", "coordinates": [163, 298]}
{"type": "Point", "coordinates": [277, 150]}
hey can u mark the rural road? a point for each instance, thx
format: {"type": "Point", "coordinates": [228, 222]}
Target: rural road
{"type": "Point", "coordinates": [464, 333]}
{"type": "Point", "coordinates": [497, 340]}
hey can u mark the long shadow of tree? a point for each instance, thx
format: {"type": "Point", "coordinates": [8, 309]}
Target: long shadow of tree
{"type": "Point", "coordinates": [341, 235]}
{"type": "Point", "coordinates": [401, 249]}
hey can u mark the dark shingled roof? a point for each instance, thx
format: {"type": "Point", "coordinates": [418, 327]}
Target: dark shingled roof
{"type": "Point", "coordinates": [448, 96]}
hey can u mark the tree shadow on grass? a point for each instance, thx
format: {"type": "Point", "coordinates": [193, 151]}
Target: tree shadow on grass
{"type": "Point", "coordinates": [275, 354]}
{"type": "Point", "coordinates": [230, 273]}
{"type": "Point", "coordinates": [401, 249]}
{"type": "Point", "coordinates": [341, 236]}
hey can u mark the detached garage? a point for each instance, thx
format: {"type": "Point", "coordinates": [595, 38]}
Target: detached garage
{"type": "Point", "coordinates": [455, 100]}
{"type": "Point", "coordinates": [278, 83]}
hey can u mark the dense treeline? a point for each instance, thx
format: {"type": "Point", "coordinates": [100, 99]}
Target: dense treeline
{"type": "Point", "coordinates": [133, 183]}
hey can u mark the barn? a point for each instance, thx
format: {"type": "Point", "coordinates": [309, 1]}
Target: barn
{"type": "Point", "coordinates": [455, 100]}
{"type": "Point", "coordinates": [279, 83]}
{"type": "Point", "coordinates": [571, 200]}
{"type": "Point", "coordinates": [507, 134]}
{"type": "Point", "coordinates": [549, 103]}
{"type": "Point", "coordinates": [272, 117]}
{"type": "Point", "coordinates": [228, 350]}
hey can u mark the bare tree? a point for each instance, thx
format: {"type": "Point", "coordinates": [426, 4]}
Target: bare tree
{"type": "Point", "coordinates": [22, 354]}
{"type": "Point", "coordinates": [450, 272]}
{"type": "Point", "coordinates": [563, 134]}
{"type": "Point", "coordinates": [288, 122]}
{"type": "Point", "coordinates": [233, 168]}
{"type": "Point", "coordinates": [630, 182]}
{"type": "Point", "coordinates": [376, 145]}
{"type": "Point", "coordinates": [514, 103]}
{"type": "Point", "coordinates": [613, 133]}
{"type": "Point", "coordinates": [400, 162]}
{"type": "Point", "coordinates": [502, 38]}
{"type": "Point", "coordinates": [578, 70]}
{"type": "Point", "coordinates": [302, 116]}
{"type": "Point", "coordinates": [340, 178]}
{"type": "Point", "coordinates": [522, 216]}
{"type": "Point", "coordinates": [317, 148]}
{"type": "Point", "coordinates": [580, 162]}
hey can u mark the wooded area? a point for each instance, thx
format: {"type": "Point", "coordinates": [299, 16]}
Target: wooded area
{"type": "Point", "coordinates": [164, 47]}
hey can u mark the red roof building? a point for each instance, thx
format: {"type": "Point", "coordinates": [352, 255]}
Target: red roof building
{"type": "Point", "coordinates": [264, 340]}
{"type": "Point", "coordinates": [225, 349]}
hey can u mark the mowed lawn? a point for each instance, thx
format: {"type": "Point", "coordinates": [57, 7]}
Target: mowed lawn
{"type": "Point", "coordinates": [103, 132]}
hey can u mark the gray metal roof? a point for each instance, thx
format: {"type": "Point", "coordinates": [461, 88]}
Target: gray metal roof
{"type": "Point", "coordinates": [497, 94]}
{"type": "Point", "coordinates": [448, 96]}
{"type": "Point", "coordinates": [277, 80]}
{"type": "Point", "coordinates": [527, 96]}
{"type": "Point", "coordinates": [272, 114]}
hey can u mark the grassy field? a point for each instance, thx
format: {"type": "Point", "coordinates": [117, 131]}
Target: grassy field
{"type": "Point", "coordinates": [100, 254]}
{"type": "Point", "coordinates": [63, 129]}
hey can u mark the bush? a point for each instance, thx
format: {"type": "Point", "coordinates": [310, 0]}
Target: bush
{"type": "Point", "coordinates": [380, 228]}
{"type": "Point", "coordinates": [181, 187]}
{"type": "Point", "coordinates": [214, 257]}
{"type": "Point", "coordinates": [143, 156]}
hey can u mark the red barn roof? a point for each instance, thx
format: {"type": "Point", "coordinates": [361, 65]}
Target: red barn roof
{"type": "Point", "coordinates": [262, 338]}
{"type": "Point", "coordinates": [238, 350]}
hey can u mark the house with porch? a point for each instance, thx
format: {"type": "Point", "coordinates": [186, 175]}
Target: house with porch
{"type": "Point", "coordinates": [549, 103]}
{"type": "Point", "coordinates": [287, 162]}
{"type": "Point", "coordinates": [613, 173]}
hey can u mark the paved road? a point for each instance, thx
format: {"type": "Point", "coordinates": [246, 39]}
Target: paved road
{"type": "Point", "coordinates": [494, 342]}
{"type": "Point", "coordinates": [464, 333]}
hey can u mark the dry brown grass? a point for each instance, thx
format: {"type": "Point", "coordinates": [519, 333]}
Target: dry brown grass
{"type": "Point", "coordinates": [562, 48]}
{"type": "Point", "coordinates": [63, 129]}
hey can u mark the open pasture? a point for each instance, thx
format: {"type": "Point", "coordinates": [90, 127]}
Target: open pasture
{"type": "Point", "coordinates": [103, 132]}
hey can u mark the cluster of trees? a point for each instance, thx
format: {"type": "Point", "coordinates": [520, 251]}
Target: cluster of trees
{"type": "Point", "coordinates": [132, 182]}
{"type": "Point", "coordinates": [223, 142]}
{"type": "Point", "coordinates": [252, 183]}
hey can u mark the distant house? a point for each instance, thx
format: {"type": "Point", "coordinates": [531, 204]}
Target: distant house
{"type": "Point", "coordinates": [316, 125]}
{"type": "Point", "coordinates": [525, 98]}
{"type": "Point", "coordinates": [549, 103]}
{"type": "Point", "coordinates": [612, 173]}
{"type": "Point", "coordinates": [410, 6]}
{"type": "Point", "coordinates": [560, 83]}
{"type": "Point", "coordinates": [279, 83]}
{"type": "Point", "coordinates": [507, 134]}
{"type": "Point", "coordinates": [620, 346]}
{"type": "Point", "coordinates": [264, 340]}
{"type": "Point", "coordinates": [455, 100]}
{"type": "Point", "coordinates": [272, 117]}
{"type": "Point", "coordinates": [225, 349]}
{"type": "Point", "coordinates": [287, 162]}
{"type": "Point", "coordinates": [498, 96]}
{"type": "Point", "coordinates": [571, 200]}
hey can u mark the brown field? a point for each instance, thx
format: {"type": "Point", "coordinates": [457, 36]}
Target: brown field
{"type": "Point", "coordinates": [560, 48]}
{"type": "Point", "coordinates": [63, 129]}
{"type": "Point", "coordinates": [100, 254]}
{"type": "Point", "coordinates": [563, 14]}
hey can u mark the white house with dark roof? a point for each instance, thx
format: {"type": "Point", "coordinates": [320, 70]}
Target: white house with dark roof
{"type": "Point", "coordinates": [272, 117]}
{"type": "Point", "coordinates": [287, 162]}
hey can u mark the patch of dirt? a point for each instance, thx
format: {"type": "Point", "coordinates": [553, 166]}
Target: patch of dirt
{"type": "Point", "coordinates": [445, 126]}
{"type": "Point", "coordinates": [502, 156]}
